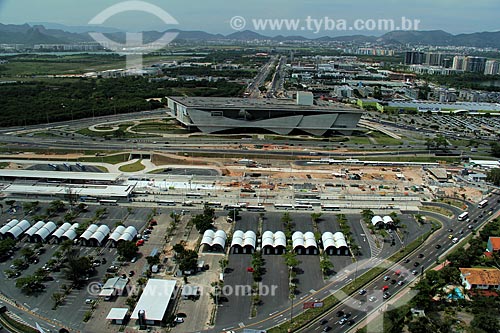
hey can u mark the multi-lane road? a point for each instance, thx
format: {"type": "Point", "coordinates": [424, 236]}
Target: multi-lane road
{"type": "Point", "coordinates": [362, 304]}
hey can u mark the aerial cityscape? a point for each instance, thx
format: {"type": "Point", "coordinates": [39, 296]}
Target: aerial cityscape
{"type": "Point", "coordinates": [297, 166]}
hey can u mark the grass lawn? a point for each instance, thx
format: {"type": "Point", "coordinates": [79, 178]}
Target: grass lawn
{"type": "Point", "coordinates": [383, 139]}
{"type": "Point", "coordinates": [134, 167]}
{"type": "Point", "coordinates": [111, 159]}
{"type": "Point", "coordinates": [3, 165]}
{"type": "Point", "coordinates": [439, 210]}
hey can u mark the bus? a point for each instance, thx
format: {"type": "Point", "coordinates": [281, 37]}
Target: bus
{"type": "Point", "coordinates": [194, 195]}
{"type": "Point", "coordinates": [308, 202]}
{"type": "Point", "coordinates": [166, 203]}
{"type": "Point", "coordinates": [330, 208]}
{"type": "Point", "coordinates": [303, 207]}
{"type": "Point", "coordinates": [463, 216]}
{"type": "Point", "coordinates": [482, 204]}
{"type": "Point", "coordinates": [214, 204]}
{"type": "Point", "coordinates": [283, 206]}
{"type": "Point", "coordinates": [108, 202]}
{"type": "Point", "coordinates": [232, 207]}
{"type": "Point", "coordinates": [88, 199]}
{"type": "Point", "coordinates": [256, 208]}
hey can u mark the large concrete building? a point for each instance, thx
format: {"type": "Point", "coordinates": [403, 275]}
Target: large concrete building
{"type": "Point", "coordinates": [280, 116]}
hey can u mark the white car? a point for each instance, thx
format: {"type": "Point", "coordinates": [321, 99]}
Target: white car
{"type": "Point", "coordinates": [178, 320]}
{"type": "Point", "coordinates": [372, 299]}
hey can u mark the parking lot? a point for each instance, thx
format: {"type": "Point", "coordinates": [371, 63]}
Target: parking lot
{"type": "Point", "coordinates": [72, 310]}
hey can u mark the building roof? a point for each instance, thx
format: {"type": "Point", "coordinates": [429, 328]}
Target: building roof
{"type": "Point", "coordinates": [439, 173]}
{"type": "Point", "coordinates": [128, 234]}
{"type": "Point", "coordinates": [495, 243]}
{"type": "Point", "coordinates": [116, 234]}
{"type": "Point", "coordinates": [61, 230]}
{"type": "Point", "coordinates": [71, 232]}
{"type": "Point", "coordinates": [273, 239]}
{"type": "Point", "coordinates": [34, 228]}
{"type": "Point", "coordinates": [242, 239]}
{"type": "Point", "coordinates": [212, 238]}
{"type": "Point", "coordinates": [155, 299]}
{"type": "Point", "coordinates": [116, 283]}
{"type": "Point", "coordinates": [218, 103]}
{"type": "Point", "coordinates": [304, 239]}
{"type": "Point", "coordinates": [46, 230]}
{"type": "Point", "coordinates": [69, 175]}
{"type": "Point", "coordinates": [377, 219]}
{"type": "Point", "coordinates": [8, 226]}
{"type": "Point", "coordinates": [89, 232]}
{"type": "Point", "coordinates": [117, 314]}
{"type": "Point", "coordinates": [481, 276]}
{"type": "Point", "coordinates": [93, 191]}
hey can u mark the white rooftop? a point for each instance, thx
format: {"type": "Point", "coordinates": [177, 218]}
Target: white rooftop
{"type": "Point", "coordinates": [84, 190]}
{"type": "Point", "coordinates": [154, 299]}
{"type": "Point", "coordinates": [117, 313]}
{"type": "Point", "coordinates": [100, 176]}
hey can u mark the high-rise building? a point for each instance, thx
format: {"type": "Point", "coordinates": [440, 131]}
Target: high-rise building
{"type": "Point", "coordinates": [492, 67]}
{"type": "Point", "coordinates": [434, 59]}
{"type": "Point", "coordinates": [458, 63]}
{"type": "Point", "coordinates": [414, 58]}
{"type": "Point", "coordinates": [475, 64]}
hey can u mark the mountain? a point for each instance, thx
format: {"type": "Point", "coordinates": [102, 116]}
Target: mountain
{"type": "Point", "coordinates": [60, 34]}
{"type": "Point", "coordinates": [434, 37]}
{"type": "Point", "coordinates": [38, 34]}
{"type": "Point", "coordinates": [75, 29]}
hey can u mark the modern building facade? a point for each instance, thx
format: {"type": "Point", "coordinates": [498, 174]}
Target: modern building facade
{"type": "Point", "coordinates": [279, 116]}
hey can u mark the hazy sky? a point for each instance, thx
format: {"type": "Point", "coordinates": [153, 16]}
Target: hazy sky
{"type": "Point", "coordinates": [455, 16]}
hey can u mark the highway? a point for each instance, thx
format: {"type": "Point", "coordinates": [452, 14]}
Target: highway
{"type": "Point", "coordinates": [359, 306]}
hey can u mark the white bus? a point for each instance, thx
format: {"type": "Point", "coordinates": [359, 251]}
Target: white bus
{"type": "Point", "coordinates": [283, 206]}
{"type": "Point", "coordinates": [214, 204]}
{"type": "Point", "coordinates": [482, 204]}
{"type": "Point", "coordinates": [194, 195]}
{"type": "Point", "coordinates": [463, 216]}
{"type": "Point", "coordinates": [330, 208]}
{"type": "Point", "coordinates": [256, 208]}
{"type": "Point", "coordinates": [303, 207]}
{"type": "Point", "coordinates": [166, 203]}
{"type": "Point", "coordinates": [108, 202]}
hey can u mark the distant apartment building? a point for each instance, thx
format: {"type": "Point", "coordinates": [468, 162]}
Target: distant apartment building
{"type": "Point", "coordinates": [475, 64]}
{"type": "Point", "coordinates": [414, 58]}
{"type": "Point", "coordinates": [434, 59]}
{"type": "Point", "coordinates": [492, 67]}
{"type": "Point", "coordinates": [458, 63]}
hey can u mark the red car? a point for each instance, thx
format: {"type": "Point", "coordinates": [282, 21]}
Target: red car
{"type": "Point", "coordinates": [140, 242]}
{"type": "Point", "coordinates": [384, 288]}
{"type": "Point", "coordinates": [153, 222]}
{"type": "Point", "coordinates": [250, 269]}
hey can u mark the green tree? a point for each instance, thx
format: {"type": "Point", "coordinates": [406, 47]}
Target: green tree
{"type": "Point", "coordinates": [202, 222]}
{"type": "Point", "coordinates": [30, 284]}
{"type": "Point", "coordinates": [27, 253]}
{"type": "Point", "coordinates": [127, 249]}
{"type": "Point", "coordinates": [77, 268]}
{"type": "Point", "coordinates": [57, 298]}
{"type": "Point", "coordinates": [495, 149]}
{"type": "Point", "coordinates": [189, 261]}
{"type": "Point", "coordinates": [494, 176]}
{"type": "Point", "coordinates": [57, 206]}
{"type": "Point", "coordinates": [153, 260]}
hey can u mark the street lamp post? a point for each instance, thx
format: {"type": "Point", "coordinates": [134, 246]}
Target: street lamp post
{"type": "Point", "coordinates": [292, 295]}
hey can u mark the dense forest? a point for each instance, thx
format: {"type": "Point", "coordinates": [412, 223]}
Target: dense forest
{"type": "Point", "coordinates": [35, 102]}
